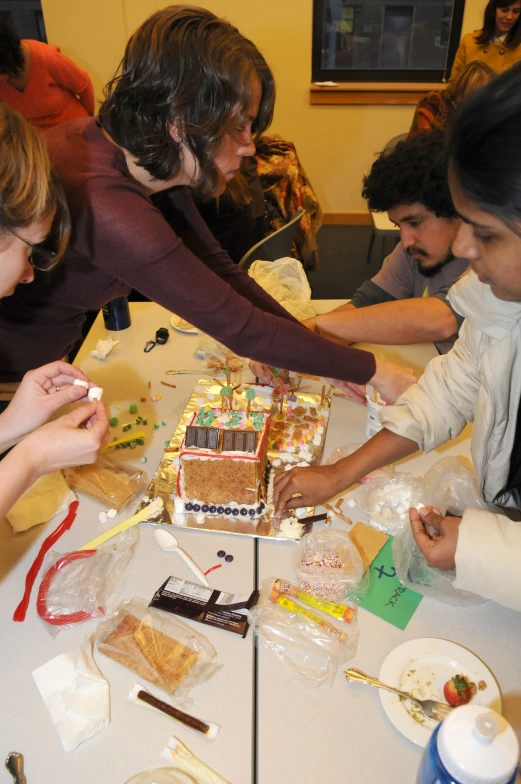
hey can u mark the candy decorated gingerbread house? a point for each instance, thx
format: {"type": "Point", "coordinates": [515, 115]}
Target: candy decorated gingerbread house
{"type": "Point", "coordinates": [223, 463]}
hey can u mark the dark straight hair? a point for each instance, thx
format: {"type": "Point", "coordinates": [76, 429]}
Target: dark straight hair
{"type": "Point", "coordinates": [185, 67]}
{"type": "Point", "coordinates": [488, 31]}
{"type": "Point", "coordinates": [483, 147]}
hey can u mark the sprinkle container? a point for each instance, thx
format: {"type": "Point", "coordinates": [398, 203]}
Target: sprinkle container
{"type": "Point", "coordinates": [327, 564]}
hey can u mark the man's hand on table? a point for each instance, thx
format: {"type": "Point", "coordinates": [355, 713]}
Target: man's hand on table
{"type": "Point", "coordinates": [313, 485]}
{"type": "Point", "coordinates": [438, 538]}
{"type": "Point", "coordinates": [41, 393]}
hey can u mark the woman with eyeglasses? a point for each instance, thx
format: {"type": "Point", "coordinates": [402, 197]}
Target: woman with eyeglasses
{"type": "Point", "coordinates": [34, 229]}
{"type": "Point", "coordinates": [189, 99]}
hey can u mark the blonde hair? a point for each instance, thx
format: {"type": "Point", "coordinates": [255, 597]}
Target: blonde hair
{"type": "Point", "coordinates": [29, 190]}
{"type": "Point", "coordinates": [472, 77]}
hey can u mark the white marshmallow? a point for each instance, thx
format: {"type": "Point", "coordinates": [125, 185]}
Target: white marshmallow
{"type": "Point", "coordinates": [401, 509]}
{"type": "Point", "coordinates": [201, 517]}
{"type": "Point", "coordinates": [112, 513]}
{"type": "Point", "coordinates": [276, 462]}
{"type": "Point", "coordinates": [301, 512]}
{"type": "Point", "coordinates": [179, 506]}
{"type": "Point", "coordinates": [79, 383]}
{"type": "Point", "coordinates": [103, 517]}
{"type": "Point", "coordinates": [351, 503]}
{"type": "Point", "coordinates": [377, 508]}
{"type": "Point", "coordinates": [95, 393]}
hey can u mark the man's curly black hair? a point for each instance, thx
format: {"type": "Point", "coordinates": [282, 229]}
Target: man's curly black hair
{"type": "Point", "coordinates": [414, 172]}
{"type": "Point", "coordinates": [11, 55]}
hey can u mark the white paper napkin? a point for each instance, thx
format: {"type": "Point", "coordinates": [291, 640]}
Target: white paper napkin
{"type": "Point", "coordinates": [76, 695]}
{"type": "Point", "coordinates": [49, 495]}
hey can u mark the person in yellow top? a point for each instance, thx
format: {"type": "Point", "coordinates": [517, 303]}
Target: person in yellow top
{"type": "Point", "coordinates": [498, 43]}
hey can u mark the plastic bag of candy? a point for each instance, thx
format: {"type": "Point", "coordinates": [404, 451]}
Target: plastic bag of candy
{"type": "Point", "coordinates": [387, 500]}
{"type": "Point", "coordinates": [328, 564]}
{"type": "Point", "coordinates": [84, 584]}
{"type": "Point", "coordinates": [314, 636]}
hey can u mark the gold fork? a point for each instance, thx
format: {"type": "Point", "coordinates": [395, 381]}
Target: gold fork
{"type": "Point", "coordinates": [431, 708]}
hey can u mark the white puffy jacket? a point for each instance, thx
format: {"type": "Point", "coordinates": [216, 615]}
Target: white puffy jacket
{"type": "Point", "coordinates": [478, 381]}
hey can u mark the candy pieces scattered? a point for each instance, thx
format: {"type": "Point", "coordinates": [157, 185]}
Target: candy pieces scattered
{"type": "Point", "coordinates": [133, 408]}
{"type": "Point", "coordinates": [142, 399]}
{"type": "Point", "coordinates": [113, 421]}
{"type": "Point", "coordinates": [118, 405]}
{"type": "Point", "coordinates": [143, 459]}
{"type": "Point", "coordinates": [351, 503]}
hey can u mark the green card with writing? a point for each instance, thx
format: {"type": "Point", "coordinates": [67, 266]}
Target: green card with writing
{"type": "Point", "coordinates": [386, 596]}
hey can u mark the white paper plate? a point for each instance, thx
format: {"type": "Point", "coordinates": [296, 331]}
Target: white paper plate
{"type": "Point", "coordinates": [427, 664]}
{"type": "Point", "coordinates": [183, 326]}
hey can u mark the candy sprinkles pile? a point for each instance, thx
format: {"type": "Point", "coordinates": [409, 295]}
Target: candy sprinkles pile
{"type": "Point", "coordinates": [318, 559]}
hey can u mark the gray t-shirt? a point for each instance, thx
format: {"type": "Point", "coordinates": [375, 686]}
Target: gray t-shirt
{"type": "Point", "coordinates": [400, 278]}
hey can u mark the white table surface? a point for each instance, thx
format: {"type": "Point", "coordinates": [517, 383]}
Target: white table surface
{"type": "Point", "coordinates": [274, 729]}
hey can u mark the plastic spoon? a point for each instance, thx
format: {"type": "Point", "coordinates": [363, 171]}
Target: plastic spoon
{"type": "Point", "coordinates": [167, 541]}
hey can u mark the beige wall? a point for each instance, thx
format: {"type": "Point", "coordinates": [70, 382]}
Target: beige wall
{"type": "Point", "coordinates": [336, 143]}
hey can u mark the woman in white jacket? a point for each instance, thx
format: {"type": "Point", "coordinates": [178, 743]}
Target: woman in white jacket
{"type": "Point", "coordinates": [480, 379]}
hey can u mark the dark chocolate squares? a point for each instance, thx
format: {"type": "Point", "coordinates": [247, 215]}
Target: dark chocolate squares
{"type": "Point", "coordinates": [202, 437]}
{"type": "Point", "coordinates": [209, 437]}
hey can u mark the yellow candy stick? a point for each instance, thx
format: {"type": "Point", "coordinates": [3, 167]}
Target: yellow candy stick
{"type": "Point", "coordinates": [131, 437]}
{"type": "Point", "coordinates": [151, 510]}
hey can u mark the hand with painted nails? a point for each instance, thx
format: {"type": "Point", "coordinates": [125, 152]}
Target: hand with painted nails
{"type": "Point", "coordinates": [436, 536]}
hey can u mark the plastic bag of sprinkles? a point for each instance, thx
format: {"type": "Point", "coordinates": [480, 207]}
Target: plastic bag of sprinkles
{"type": "Point", "coordinates": [328, 565]}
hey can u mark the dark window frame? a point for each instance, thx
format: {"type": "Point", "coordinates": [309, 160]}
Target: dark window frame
{"type": "Point", "coordinates": [319, 74]}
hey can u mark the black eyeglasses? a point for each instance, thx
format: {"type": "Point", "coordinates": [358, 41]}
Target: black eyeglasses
{"type": "Point", "coordinates": [44, 255]}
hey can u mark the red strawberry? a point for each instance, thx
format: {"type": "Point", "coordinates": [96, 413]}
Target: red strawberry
{"type": "Point", "coordinates": [459, 690]}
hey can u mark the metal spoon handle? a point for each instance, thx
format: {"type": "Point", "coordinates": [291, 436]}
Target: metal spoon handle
{"type": "Point", "coordinates": [15, 765]}
{"type": "Point", "coordinates": [361, 677]}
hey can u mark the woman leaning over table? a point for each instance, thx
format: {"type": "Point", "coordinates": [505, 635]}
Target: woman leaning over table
{"type": "Point", "coordinates": [190, 96]}
{"type": "Point", "coordinates": [479, 380]}
{"type": "Point", "coordinates": [498, 43]}
{"type": "Point", "coordinates": [34, 228]}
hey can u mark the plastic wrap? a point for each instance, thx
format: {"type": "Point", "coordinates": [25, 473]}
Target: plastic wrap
{"type": "Point", "coordinates": [158, 648]}
{"type": "Point", "coordinates": [313, 643]}
{"type": "Point", "coordinates": [81, 585]}
{"type": "Point", "coordinates": [162, 776]}
{"type": "Point", "coordinates": [386, 501]}
{"type": "Point", "coordinates": [450, 487]}
{"type": "Point", "coordinates": [286, 281]}
{"type": "Point", "coordinates": [115, 486]}
{"type": "Point", "coordinates": [328, 564]}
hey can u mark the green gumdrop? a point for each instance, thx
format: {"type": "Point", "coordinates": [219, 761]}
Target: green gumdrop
{"type": "Point", "coordinates": [226, 391]}
{"type": "Point", "coordinates": [133, 409]}
{"type": "Point", "coordinates": [113, 421]}
{"type": "Point", "coordinates": [276, 371]}
{"type": "Point", "coordinates": [250, 394]}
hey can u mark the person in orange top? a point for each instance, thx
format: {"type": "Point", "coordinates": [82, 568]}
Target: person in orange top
{"type": "Point", "coordinates": [498, 43]}
{"type": "Point", "coordinates": [42, 83]}
{"type": "Point", "coordinates": [435, 110]}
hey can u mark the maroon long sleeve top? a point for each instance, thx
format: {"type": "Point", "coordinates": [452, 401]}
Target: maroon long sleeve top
{"type": "Point", "coordinates": [121, 240]}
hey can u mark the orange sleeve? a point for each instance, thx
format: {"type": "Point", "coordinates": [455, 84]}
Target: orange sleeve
{"type": "Point", "coordinates": [68, 75]}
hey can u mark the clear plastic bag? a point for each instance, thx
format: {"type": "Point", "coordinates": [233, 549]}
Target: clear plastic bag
{"type": "Point", "coordinates": [162, 776]}
{"type": "Point", "coordinates": [81, 585]}
{"type": "Point", "coordinates": [286, 281]}
{"type": "Point", "coordinates": [452, 488]}
{"type": "Point", "coordinates": [386, 501]}
{"type": "Point", "coordinates": [314, 644]}
{"type": "Point", "coordinates": [163, 651]}
{"type": "Point", "coordinates": [327, 564]}
{"type": "Point", "coordinates": [112, 485]}
{"type": "Point", "coordinates": [415, 573]}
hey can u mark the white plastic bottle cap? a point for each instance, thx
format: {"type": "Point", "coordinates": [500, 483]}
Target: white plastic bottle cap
{"type": "Point", "coordinates": [478, 746]}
